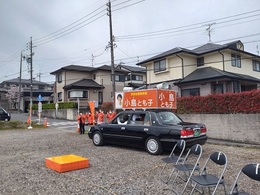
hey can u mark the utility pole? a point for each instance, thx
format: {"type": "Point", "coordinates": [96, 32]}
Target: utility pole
{"type": "Point", "coordinates": [111, 47]}
{"type": "Point", "coordinates": [31, 91]}
{"type": "Point", "coordinates": [20, 82]}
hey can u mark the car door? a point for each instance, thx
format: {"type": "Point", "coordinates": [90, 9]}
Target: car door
{"type": "Point", "coordinates": [137, 129]}
{"type": "Point", "coordinates": [115, 130]}
{"type": "Point", "coordinates": [2, 114]}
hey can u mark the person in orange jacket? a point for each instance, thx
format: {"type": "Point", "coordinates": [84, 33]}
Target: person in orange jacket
{"type": "Point", "coordinates": [110, 115]}
{"type": "Point", "coordinates": [81, 121]}
{"type": "Point", "coordinates": [100, 116]}
{"type": "Point", "coordinates": [89, 118]}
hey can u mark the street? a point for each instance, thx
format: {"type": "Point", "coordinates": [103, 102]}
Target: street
{"type": "Point", "coordinates": [51, 122]}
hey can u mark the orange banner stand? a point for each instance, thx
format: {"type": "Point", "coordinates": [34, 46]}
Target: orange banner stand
{"type": "Point", "coordinates": [92, 108]}
{"type": "Point", "coordinates": [149, 99]}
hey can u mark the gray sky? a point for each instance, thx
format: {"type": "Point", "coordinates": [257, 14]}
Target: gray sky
{"type": "Point", "coordinates": [72, 32]}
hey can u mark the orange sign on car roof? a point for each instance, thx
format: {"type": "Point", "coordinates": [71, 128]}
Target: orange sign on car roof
{"type": "Point", "coordinates": [149, 98]}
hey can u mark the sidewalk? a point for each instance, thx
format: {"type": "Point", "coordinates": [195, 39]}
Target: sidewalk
{"type": "Point", "coordinates": [232, 143]}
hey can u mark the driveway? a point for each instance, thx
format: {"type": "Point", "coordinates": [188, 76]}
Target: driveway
{"type": "Point", "coordinates": [113, 170]}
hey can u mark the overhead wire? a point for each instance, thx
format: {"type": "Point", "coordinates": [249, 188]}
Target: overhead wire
{"type": "Point", "coordinates": [142, 33]}
{"type": "Point", "coordinates": [186, 26]}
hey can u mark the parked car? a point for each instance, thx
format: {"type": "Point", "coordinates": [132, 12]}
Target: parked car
{"type": "Point", "coordinates": [4, 115]}
{"type": "Point", "coordinates": [154, 130]}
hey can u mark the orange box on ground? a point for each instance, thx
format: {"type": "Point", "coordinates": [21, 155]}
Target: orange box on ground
{"type": "Point", "coordinates": [66, 163]}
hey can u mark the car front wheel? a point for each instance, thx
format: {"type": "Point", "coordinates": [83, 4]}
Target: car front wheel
{"type": "Point", "coordinates": [97, 138]}
{"type": "Point", "coordinates": [153, 146]}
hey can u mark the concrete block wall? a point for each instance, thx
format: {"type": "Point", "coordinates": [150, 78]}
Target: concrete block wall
{"type": "Point", "coordinates": [244, 128]}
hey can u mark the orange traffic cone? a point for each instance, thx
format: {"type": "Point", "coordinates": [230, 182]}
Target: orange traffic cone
{"type": "Point", "coordinates": [45, 122]}
{"type": "Point", "coordinates": [28, 120]}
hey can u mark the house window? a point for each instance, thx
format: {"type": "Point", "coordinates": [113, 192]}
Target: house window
{"type": "Point", "coordinates": [200, 61]}
{"type": "Point", "coordinates": [120, 78]}
{"type": "Point", "coordinates": [236, 87]}
{"type": "Point", "coordinates": [218, 89]}
{"type": "Point", "coordinates": [41, 87]}
{"type": "Point", "coordinates": [60, 96]}
{"type": "Point", "coordinates": [160, 65]}
{"type": "Point", "coordinates": [100, 98]}
{"type": "Point", "coordinates": [236, 60]}
{"type": "Point", "coordinates": [137, 77]}
{"type": "Point", "coordinates": [256, 65]}
{"type": "Point", "coordinates": [94, 76]}
{"type": "Point", "coordinates": [190, 92]}
{"type": "Point", "coordinates": [59, 78]}
{"type": "Point", "coordinates": [78, 94]}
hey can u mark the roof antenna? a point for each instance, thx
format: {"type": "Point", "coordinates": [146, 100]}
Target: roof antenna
{"type": "Point", "coordinates": [209, 30]}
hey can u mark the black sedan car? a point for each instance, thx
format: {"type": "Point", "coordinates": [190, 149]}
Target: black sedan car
{"type": "Point", "coordinates": [4, 115]}
{"type": "Point", "coordinates": [154, 130]}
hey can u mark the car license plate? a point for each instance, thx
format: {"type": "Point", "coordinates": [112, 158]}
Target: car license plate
{"type": "Point", "coordinates": [196, 132]}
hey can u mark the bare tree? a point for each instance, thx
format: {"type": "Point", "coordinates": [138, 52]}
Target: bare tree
{"type": "Point", "coordinates": [12, 96]}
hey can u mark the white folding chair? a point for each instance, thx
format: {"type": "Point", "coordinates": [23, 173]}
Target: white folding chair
{"type": "Point", "coordinates": [172, 159]}
{"type": "Point", "coordinates": [252, 171]}
{"type": "Point", "coordinates": [190, 165]}
{"type": "Point", "coordinates": [211, 178]}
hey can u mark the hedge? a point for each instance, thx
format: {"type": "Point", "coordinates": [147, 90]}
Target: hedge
{"type": "Point", "coordinates": [244, 102]}
{"type": "Point", "coordinates": [62, 105]}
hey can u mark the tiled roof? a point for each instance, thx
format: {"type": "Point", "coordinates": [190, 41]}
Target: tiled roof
{"type": "Point", "coordinates": [204, 49]}
{"type": "Point", "coordinates": [133, 68]}
{"type": "Point", "coordinates": [208, 73]}
{"type": "Point", "coordinates": [175, 50]}
{"type": "Point", "coordinates": [24, 81]}
{"type": "Point", "coordinates": [83, 84]}
{"type": "Point", "coordinates": [108, 68]}
{"type": "Point", "coordinates": [79, 68]}
{"type": "Point", "coordinates": [209, 47]}
{"type": "Point", "coordinates": [75, 68]}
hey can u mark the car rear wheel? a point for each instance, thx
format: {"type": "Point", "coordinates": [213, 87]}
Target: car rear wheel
{"type": "Point", "coordinates": [6, 119]}
{"type": "Point", "coordinates": [97, 138]}
{"type": "Point", "coordinates": [153, 146]}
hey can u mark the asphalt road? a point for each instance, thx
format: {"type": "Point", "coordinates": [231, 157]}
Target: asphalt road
{"type": "Point", "coordinates": [24, 117]}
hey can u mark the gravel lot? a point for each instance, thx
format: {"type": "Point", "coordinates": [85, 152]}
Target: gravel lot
{"type": "Point", "coordinates": [113, 170]}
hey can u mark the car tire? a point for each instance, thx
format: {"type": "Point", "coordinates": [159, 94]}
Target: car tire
{"type": "Point", "coordinates": [97, 138]}
{"type": "Point", "coordinates": [6, 119]}
{"type": "Point", "coordinates": [153, 145]}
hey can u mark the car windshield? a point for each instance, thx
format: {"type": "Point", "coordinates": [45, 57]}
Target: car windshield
{"type": "Point", "coordinates": [168, 118]}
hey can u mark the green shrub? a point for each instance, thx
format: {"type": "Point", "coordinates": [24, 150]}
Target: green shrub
{"type": "Point", "coordinates": [18, 125]}
{"type": "Point", "coordinates": [62, 105]}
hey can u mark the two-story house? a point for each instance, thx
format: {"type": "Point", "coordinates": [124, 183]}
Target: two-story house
{"type": "Point", "coordinates": [208, 69]}
{"type": "Point", "coordinates": [86, 83]}
{"type": "Point", "coordinates": [136, 76]}
{"type": "Point", "coordinates": [38, 88]}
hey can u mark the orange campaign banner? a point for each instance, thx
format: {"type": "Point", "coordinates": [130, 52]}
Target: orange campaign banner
{"type": "Point", "coordinates": [149, 98]}
{"type": "Point", "coordinates": [92, 108]}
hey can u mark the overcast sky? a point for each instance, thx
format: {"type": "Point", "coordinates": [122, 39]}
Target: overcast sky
{"type": "Point", "coordinates": [66, 32]}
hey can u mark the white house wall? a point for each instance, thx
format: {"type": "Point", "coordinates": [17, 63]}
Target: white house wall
{"type": "Point", "coordinates": [246, 65]}
{"type": "Point", "coordinates": [205, 88]}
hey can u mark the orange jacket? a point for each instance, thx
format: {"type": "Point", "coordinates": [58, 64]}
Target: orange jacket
{"type": "Point", "coordinates": [90, 118]}
{"type": "Point", "coordinates": [100, 117]}
{"type": "Point", "coordinates": [110, 116]}
{"type": "Point", "coordinates": [81, 118]}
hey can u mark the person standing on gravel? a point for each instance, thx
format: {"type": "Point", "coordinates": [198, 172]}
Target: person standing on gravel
{"type": "Point", "coordinates": [81, 121]}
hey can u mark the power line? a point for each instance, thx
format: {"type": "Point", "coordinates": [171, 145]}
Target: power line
{"type": "Point", "coordinates": [187, 27]}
